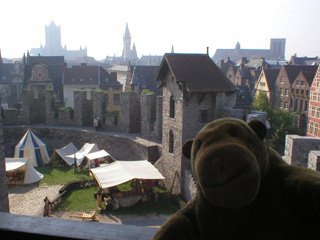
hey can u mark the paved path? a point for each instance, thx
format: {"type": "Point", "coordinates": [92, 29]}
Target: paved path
{"type": "Point", "coordinates": [28, 199]}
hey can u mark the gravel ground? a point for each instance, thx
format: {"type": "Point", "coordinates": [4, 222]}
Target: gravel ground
{"type": "Point", "coordinates": [28, 200]}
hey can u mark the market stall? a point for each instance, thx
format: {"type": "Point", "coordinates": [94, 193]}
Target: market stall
{"type": "Point", "coordinates": [138, 176]}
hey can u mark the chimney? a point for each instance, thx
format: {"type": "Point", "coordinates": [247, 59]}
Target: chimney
{"type": "Point", "coordinates": [208, 51]}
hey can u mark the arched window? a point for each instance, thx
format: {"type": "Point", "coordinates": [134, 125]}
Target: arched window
{"type": "Point", "coordinates": [172, 107]}
{"type": "Point", "coordinates": [171, 141]}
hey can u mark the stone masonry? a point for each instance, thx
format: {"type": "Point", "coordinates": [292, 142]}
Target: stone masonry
{"type": "Point", "coordinates": [4, 201]}
{"type": "Point", "coordinates": [297, 149]}
{"type": "Point", "coordinates": [314, 160]}
{"type": "Point", "coordinates": [151, 116]}
{"type": "Point", "coordinates": [130, 118]}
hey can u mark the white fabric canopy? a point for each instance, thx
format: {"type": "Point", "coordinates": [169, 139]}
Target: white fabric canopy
{"type": "Point", "coordinates": [97, 155]}
{"type": "Point", "coordinates": [119, 172]}
{"type": "Point", "coordinates": [67, 150]}
{"type": "Point", "coordinates": [23, 164]}
{"type": "Point", "coordinates": [85, 150]}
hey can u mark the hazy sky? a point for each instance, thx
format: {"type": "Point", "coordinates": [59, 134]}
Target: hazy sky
{"type": "Point", "coordinates": [190, 26]}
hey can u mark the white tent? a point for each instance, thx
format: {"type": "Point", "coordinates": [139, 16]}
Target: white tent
{"type": "Point", "coordinates": [31, 146]}
{"type": "Point", "coordinates": [85, 150]}
{"type": "Point", "coordinates": [119, 172]}
{"type": "Point", "coordinates": [101, 155]}
{"type": "Point", "coordinates": [21, 170]}
{"type": "Point", "coordinates": [63, 152]}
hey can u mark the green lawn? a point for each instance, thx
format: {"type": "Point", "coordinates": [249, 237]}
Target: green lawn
{"type": "Point", "coordinates": [61, 175]}
{"type": "Point", "coordinates": [79, 200]}
{"type": "Point", "coordinates": [83, 199]}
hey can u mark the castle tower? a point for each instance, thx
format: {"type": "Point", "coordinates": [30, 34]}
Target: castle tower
{"type": "Point", "coordinates": [194, 93]}
{"type": "Point", "coordinates": [126, 44]}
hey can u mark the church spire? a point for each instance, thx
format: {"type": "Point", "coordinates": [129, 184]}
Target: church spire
{"type": "Point", "coordinates": [172, 49]}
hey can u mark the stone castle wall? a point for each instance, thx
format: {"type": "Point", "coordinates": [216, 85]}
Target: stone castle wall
{"type": "Point", "coordinates": [4, 201]}
{"type": "Point", "coordinates": [121, 148]}
{"type": "Point", "coordinates": [130, 119]}
{"type": "Point", "coordinates": [151, 116]}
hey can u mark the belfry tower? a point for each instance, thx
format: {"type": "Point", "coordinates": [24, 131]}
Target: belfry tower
{"type": "Point", "coordinates": [126, 45]}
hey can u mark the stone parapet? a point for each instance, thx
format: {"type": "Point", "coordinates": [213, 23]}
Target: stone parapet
{"type": "Point", "coordinates": [297, 149]}
{"type": "Point", "coordinates": [314, 160]}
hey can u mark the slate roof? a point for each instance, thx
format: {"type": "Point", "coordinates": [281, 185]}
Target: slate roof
{"type": "Point", "coordinates": [293, 70]}
{"type": "Point", "coordinates": [89, 75]}
{"type": "Point", "coordinates": [197, 71]}
{"type": "Point", "coordinates": [145, 75]}
{"type": "Point", "coordinates": [271, 76]}
{"type": "Point", "coordinates": [309, 75]}
{"type": "Point", "coordinates": [304, 60]}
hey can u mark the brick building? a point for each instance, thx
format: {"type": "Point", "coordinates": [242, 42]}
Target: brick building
{"type": "Point", "coordinates": [292, 88]}
{"type": "Point", "coordinates": [194, 93]}
{"type": "Point", "coordinates": [314, 107]}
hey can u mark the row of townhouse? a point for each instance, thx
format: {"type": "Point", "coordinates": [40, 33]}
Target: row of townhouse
{"type": "Point", "coordinates": [288, 88]}
{"type": "Point", "coordinates": [287, 84]}
{"type": "Point", "coordinates": [52, 73]}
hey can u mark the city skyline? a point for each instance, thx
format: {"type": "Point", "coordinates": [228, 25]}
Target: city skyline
{"type": "Point", "coordinates": [155, 27]}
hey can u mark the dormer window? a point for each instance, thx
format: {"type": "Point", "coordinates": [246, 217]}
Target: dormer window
{"type": "Point", "coordinates": [73, 79]}
{"type": "Point", "coordinates": [91, 79]}
{"type": "Point", "coordinates": [106, 79]}
{"type": "Point", "coordinates": [81, 79]}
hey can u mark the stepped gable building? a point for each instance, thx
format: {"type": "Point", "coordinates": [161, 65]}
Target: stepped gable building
{"type": "Point", "coordinates": [276, 52]}
{"type": "Point", "coordinates": [53, 45]}
{"type": "Point", "coordinates": [314, 107]}
{"type": "Point", "coordinates": [44, 73]}
{"type": "Point", "coordinates": [194, 93]}
{"type": "Point", "coordinates": [90, 78]}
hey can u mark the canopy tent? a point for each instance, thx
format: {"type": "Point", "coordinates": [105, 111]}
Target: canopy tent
{"type": "Point", "coordinates": [61, 153]}
{"type": "Point", "coordinates": [101, 155]}
{"type": "Point", "coordinates": [85, 150]}
{"type": "Point", "coordinates": [21, 171]}
{"type": "Point", "coordinates": [31, 146]}
{"type": "Point", "coordinates": [119, 172]}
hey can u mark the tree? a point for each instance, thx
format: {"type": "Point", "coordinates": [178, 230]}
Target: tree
{"type": "Point", "coordinates": [281, 122]}
{"type": "Point", "coordinates": [262, 103]}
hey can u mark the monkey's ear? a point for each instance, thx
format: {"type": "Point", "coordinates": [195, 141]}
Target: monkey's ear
{"type": "Point", "coordinates": [186, 148]}
{"type": "Point", "coordinates": [259, 128]}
